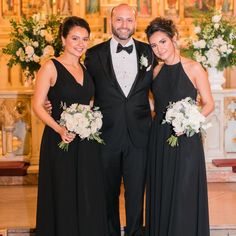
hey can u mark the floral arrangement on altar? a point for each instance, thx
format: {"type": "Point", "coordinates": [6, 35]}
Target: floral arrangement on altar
{"type": "Point", "coordinates": [215, 43]}
{"type": "Point", "coordinates": [33, 40]}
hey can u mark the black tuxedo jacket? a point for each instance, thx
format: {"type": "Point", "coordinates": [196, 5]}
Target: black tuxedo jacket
{"type": "Point", "coordinates": [121, 115]}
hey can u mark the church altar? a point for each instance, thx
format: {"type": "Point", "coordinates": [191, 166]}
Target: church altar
{"type": "Point", "coordinates": [220, 140]}
{"type": "Point", "coordinates": [20, 129]}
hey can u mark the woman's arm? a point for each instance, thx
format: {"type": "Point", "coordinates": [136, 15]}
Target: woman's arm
{"type": "Point", "coordinates": [203, 86]}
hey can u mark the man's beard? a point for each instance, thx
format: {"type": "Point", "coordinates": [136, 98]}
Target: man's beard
{"type": "Point", "coordinates": [119, 36]}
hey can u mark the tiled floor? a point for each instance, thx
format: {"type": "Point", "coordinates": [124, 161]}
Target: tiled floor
{"type": "Point", "coordinates": [18, 206]}
{"type": "Point", "coordinates": [222, 203]}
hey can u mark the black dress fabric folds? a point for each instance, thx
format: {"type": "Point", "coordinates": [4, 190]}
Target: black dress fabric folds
{"type": "Point", "coordinates": [177, 203]}
{"type": "Point", "coordinates": [70, 191]}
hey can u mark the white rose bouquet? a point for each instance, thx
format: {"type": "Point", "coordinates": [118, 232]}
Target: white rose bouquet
{"type": "Point", "coordinates": [185, 118]}
{"type": "Point", "coordinates": [82, 120]}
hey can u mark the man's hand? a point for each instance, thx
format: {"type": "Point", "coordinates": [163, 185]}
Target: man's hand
{"type": "Point", "coordinates": [48, 106]}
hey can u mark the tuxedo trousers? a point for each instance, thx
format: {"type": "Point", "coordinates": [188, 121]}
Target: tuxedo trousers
{"type": "Point", "coordinates": [127, 162]}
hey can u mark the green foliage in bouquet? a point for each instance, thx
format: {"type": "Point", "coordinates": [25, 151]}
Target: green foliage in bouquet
{"type": "Point", "coordinates": [214, 44]}
{"type": "Point", "coordinates": [33, 41]}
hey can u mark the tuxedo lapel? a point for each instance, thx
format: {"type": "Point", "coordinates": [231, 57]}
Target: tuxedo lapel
{"type": "Point", "coordinates": [141, 70]}
{"type": "Point", "coordinates": [105, 57]}
{"type": "Point", "coordinates": [141, 50]}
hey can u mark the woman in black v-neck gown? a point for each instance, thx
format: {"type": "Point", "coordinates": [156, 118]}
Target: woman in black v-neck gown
{"type": "Point", "coordinates": [70, 191]}
{"type": "Point", "coordinates": [177, 203]}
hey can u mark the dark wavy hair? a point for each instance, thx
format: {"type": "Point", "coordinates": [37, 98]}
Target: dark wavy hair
{"type": "Point", "coordinates": [161, 24]}
{"type": "Point", "coordinates": [70, 22]}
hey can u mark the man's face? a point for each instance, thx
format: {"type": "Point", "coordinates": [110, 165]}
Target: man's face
{"type": "Point", "coordinates": [123, 22]}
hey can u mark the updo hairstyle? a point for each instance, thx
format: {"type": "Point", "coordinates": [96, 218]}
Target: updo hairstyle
{"type": "Point", "coordinates": [161, 24]}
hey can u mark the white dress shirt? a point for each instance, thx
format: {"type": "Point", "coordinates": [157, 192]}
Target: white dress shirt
{"type": "Point", "coordinates": [125, 65]}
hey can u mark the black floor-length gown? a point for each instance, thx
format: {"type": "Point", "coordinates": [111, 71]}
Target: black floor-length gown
{"type": "Point", "coordinates": [177, 203]}
{"type": "Point", "coordinates": [70, 191]}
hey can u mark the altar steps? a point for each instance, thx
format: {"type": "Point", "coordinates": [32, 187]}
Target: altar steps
{"type": "Point", "coordinates": [225, 163]}
{"type": "Point", "coordinates": [13, 168]}
{"type": "Point", "coordinates": [221, 174]}
{"type": "Point", "coordinates": [218, 170]}
{"type": "Point", "coordinates": [17, 173]}
{"type": "Point", "coordinates": [215, 231]}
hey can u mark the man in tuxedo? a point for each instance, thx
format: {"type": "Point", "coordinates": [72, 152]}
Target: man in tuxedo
{"type": "Point", "coordinates": [121, 70]}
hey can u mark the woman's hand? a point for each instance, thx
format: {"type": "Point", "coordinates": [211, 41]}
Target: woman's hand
{"type": "Point", "coordinates": [66, 136]}
{"type": "Point", "coordinates": [179, 134]}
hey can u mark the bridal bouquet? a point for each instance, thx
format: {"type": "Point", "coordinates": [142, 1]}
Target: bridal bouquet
{"type": "Point", "coordinates": [185, 118]}
{"type": "Point", "coordinates": [82, 120]}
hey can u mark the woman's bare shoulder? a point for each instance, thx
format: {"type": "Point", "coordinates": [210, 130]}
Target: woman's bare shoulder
{"type": "Point", "coordinates": [47, 72]}
{"type": "Point", "coordinates": [157, 69]}
{"type": "Point", "coordinates": [49, 64]}
{"type": "Point", "coordinates": [48, 67]}
{"type": "Point", "coordinates": [189, 63]}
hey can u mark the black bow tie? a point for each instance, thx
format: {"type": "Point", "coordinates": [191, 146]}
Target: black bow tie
{"type": "Point", "coordinates": [128, 49]}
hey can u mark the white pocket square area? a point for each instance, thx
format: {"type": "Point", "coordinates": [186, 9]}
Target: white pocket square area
{"type": "Point", "coordinates": [149, 68]}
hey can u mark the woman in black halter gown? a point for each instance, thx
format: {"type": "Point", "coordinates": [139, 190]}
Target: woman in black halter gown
{"type": "Point", "coordinates": [177, 203]}
{"type": "Point", "coordinates": [70, 190]}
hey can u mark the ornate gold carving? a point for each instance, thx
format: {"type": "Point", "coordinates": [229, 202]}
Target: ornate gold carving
{"type": "Point", "coordinates": [230, 108]}
{"type": "Point", "coordinates": [12, 110]}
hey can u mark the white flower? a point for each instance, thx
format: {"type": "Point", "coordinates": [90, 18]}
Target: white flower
{"type": "Point", "coordinates": [216, 18]}
{"type": "Point", "coordinates": [203, 59]}
{"type": "Point", "coordinates": [36, 58]}
{"type": "Point", "coordinates": [20, 52]}
{"type": "Point", "coordinates": [218, 41]}
{"type": "Point", "coordinates": [29, 50]}
{"type": "Point", "coordinates": [49, 37]}
{"type": "Point", "coordinates": [82, 120]}
{"type": "Point", "coordinates": [199, 44]}
{"type": "Point", "coordinates": [143, 61]}
{"type": "Point", "coordinates": [48, 50]}
{"type": "Point", "coordinates": [229, 51]}
{"type": "Point", "coordinates": [96, 125]}
{"type": "Point", "coordinates": [197, 29]}
{"type": "Point", "coordinates": [216, 26]}
{"type": "Point", "coordinates": [85, 133]}
{"type": "Point", "coordinates": [43, 32]}
{"type": "Point", "coordinates": [213, 57]}
{"type": "Point", "coordinates": [198, 56]}
{"type": "Point", "coordinates": [72, 108]}
{"type": "Point", "coordinates": [184, 117]}
{"type": "Point", "coordinates": [69, 121]}
{"type": "Point", "coordinates": [223, 48]}
{"type": "Point", "coordinates": [97, 114]}
{"type": "Point", "coordinates": [35, 44]}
